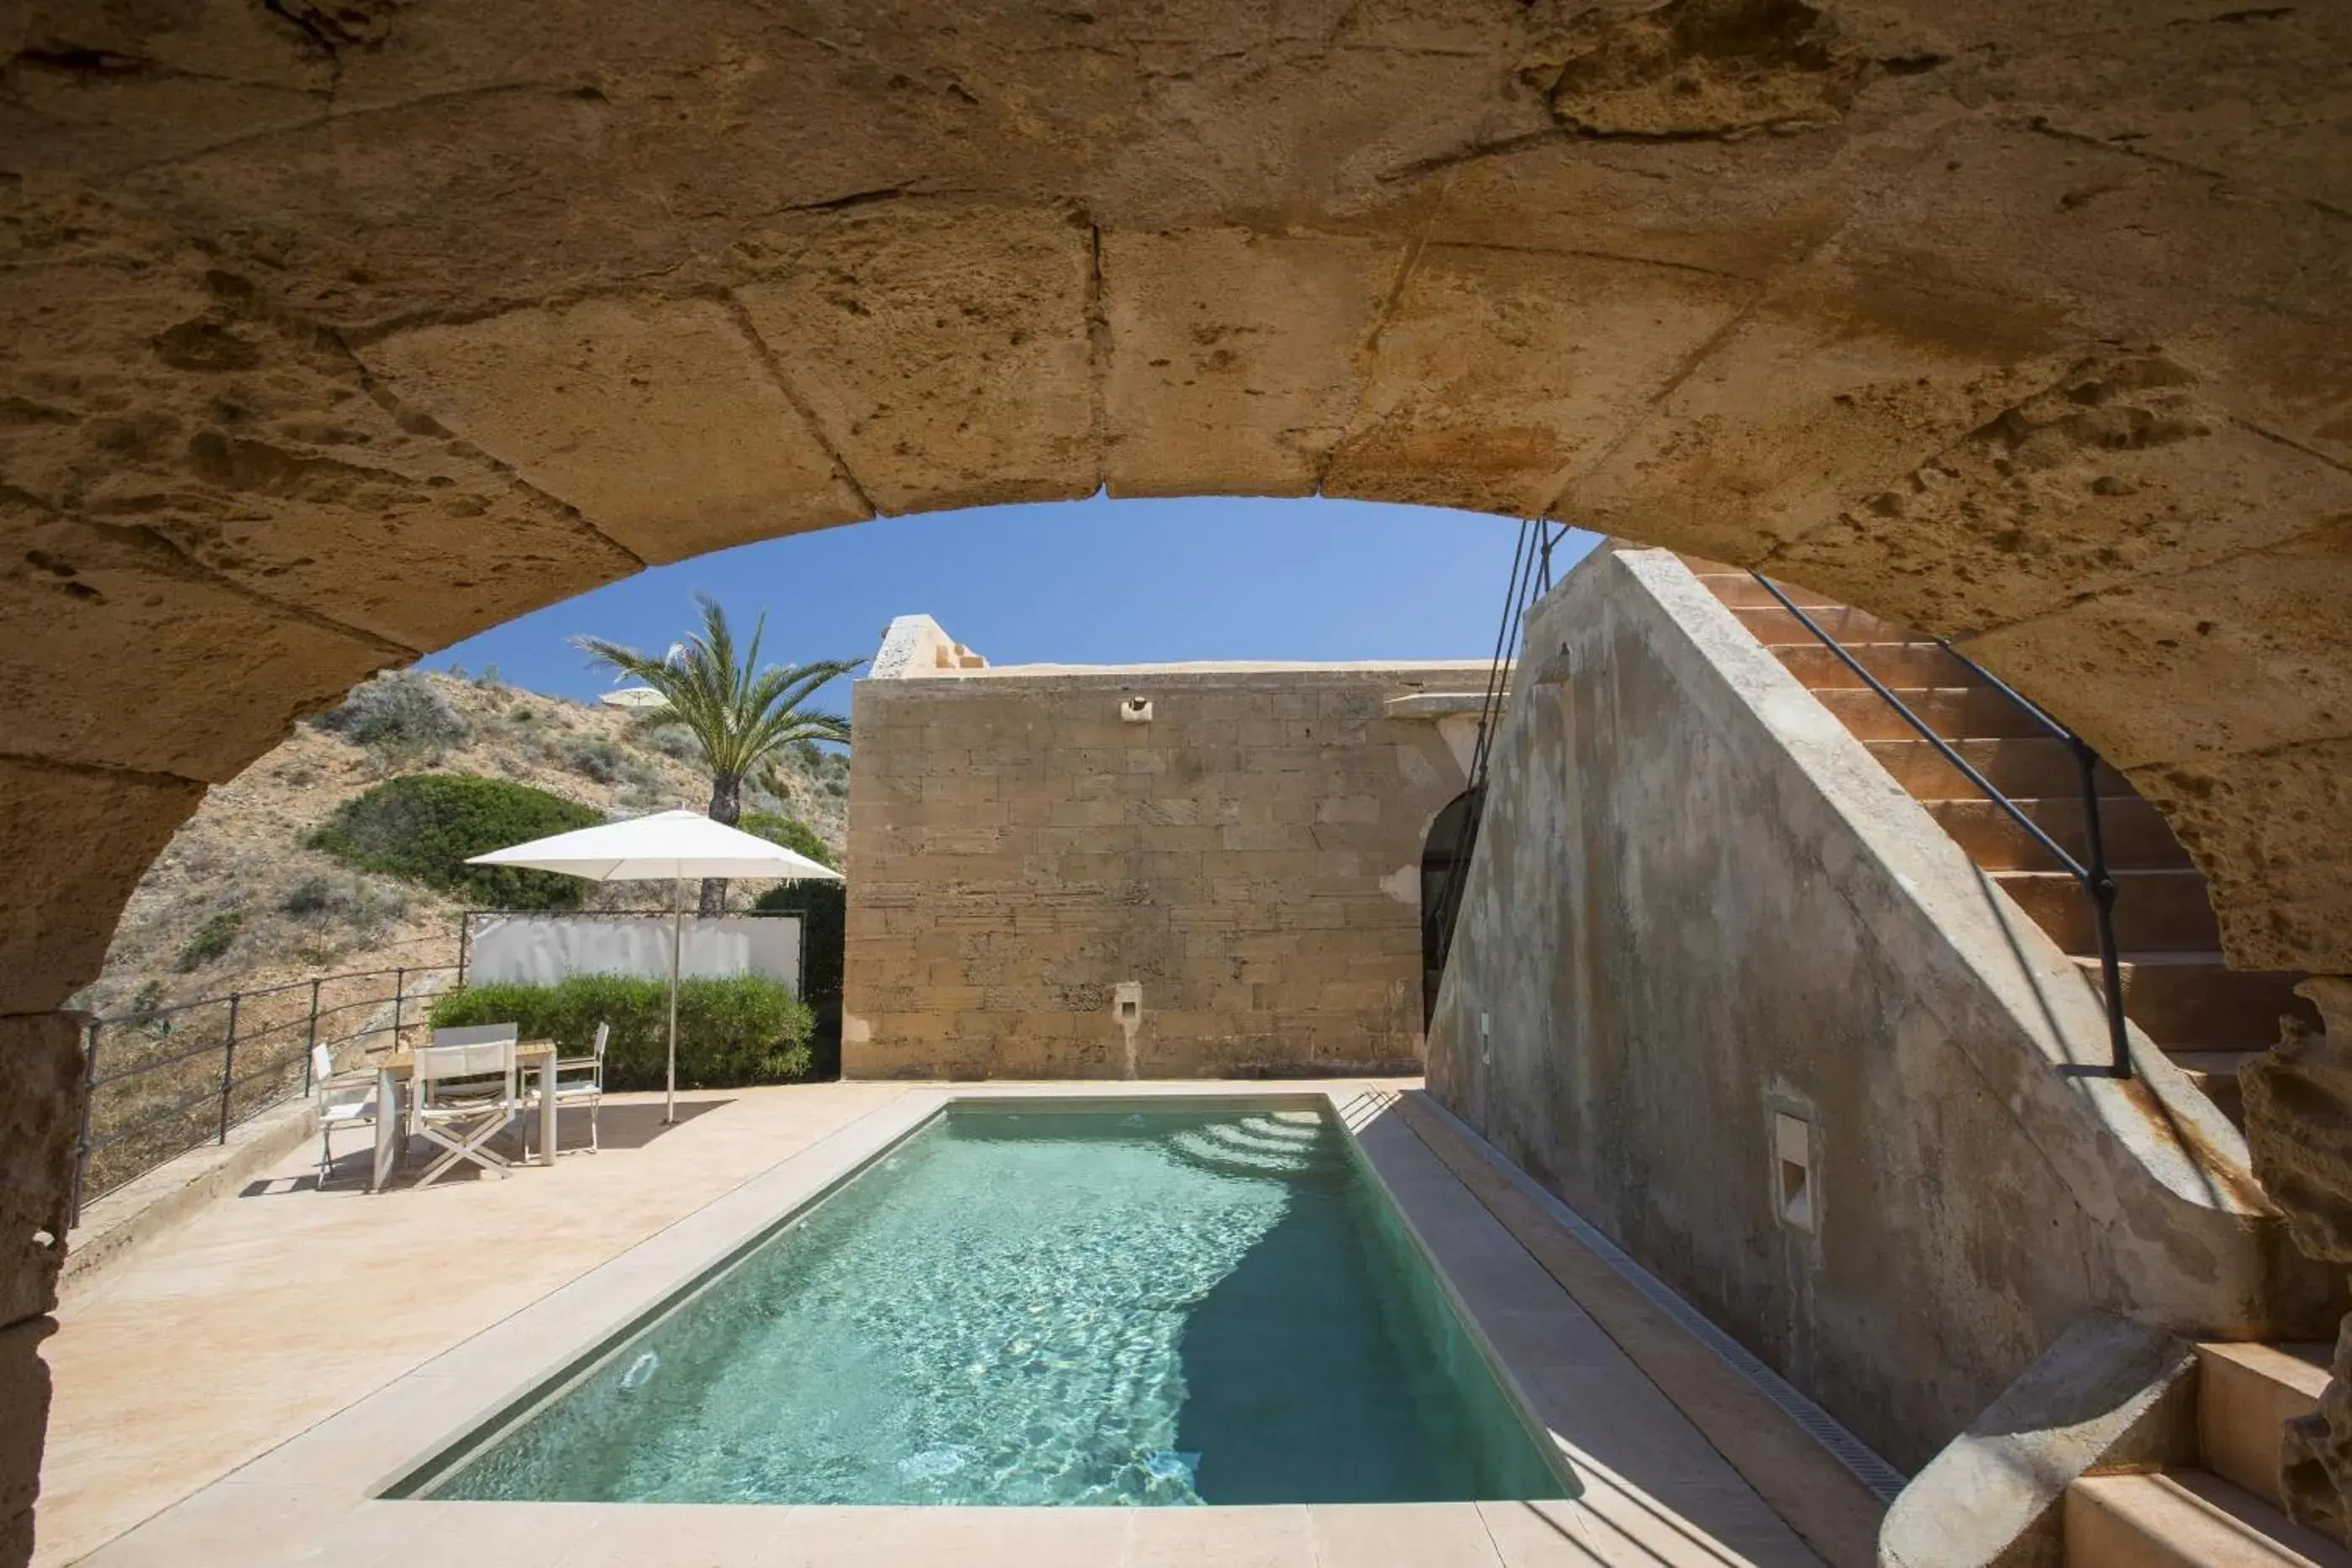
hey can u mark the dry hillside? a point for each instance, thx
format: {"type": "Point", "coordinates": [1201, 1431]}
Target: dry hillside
{"type": "Point", "coordinates": [238, 879]}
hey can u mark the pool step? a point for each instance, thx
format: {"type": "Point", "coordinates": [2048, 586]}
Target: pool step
{"type": "Point", "coordinates": [1258, 1147]}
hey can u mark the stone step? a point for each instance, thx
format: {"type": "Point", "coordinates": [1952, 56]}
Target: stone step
{"type": "Point", "coordinates": [1955, 712]}
{"type": "Point", "coordinates": [1895, 664]}
{"type": "Point", "coordinates": [2160, 911]}
{"type": "Point", "coordinates": [2192, 1000]}
{"type": "Point", "coordinates": [1774, 627]}
{"type": "Point", "coordinates": [1738, 591]}
{"type": "Point", "coordinates": [2245, 1394]}
{"type": "Point", "coordinates": [2184, 1519]}
{"type": "Point", "coordinates": [2023, 768]}
{"type": "Point", "coordinates": [2136, 837]}
{"type": "Point", "coordinates": [1228, 1152]}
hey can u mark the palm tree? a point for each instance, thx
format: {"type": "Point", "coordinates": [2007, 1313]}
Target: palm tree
{"type": "Point", "coordinates": [740, 714]}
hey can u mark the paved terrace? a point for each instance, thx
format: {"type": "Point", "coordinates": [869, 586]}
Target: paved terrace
{"type": "Point", "coordinates": [235, 1393]}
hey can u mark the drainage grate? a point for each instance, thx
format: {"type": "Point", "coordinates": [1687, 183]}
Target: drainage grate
{"type": "Point", "coordinates": [1883, 1478]}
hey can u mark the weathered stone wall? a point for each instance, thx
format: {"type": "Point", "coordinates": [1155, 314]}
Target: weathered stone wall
{"type": "Point", "coordinates": [1249, 858]}
{"type": "Point", "coordinates": [1698, 906]}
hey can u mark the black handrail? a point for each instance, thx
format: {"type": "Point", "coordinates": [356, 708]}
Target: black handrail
{"type": "Point", "coordinates": [2098, 884]}
{"type": "Point", "coordinates": [222, 1090]}
{"type": "Point", "coordinates": [1530, 580]}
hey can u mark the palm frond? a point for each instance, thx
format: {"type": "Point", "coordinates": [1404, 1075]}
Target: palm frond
{"type": "Point", "coordinates": [739, 714]}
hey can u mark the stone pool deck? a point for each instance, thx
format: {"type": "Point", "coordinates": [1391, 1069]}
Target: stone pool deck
{"type": "Point", "coordinates": [240, 1391]}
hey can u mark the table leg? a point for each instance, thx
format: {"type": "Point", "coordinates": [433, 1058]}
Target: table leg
{"type": "Point", "coordinates": [546, 1111]}
{"type": "Point", "coordinates": [388, 1131]}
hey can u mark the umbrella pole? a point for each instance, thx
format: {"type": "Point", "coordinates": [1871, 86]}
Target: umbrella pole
{"type": "Point", "coordinates": [677, 924]}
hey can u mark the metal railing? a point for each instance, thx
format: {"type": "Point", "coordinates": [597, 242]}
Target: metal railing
{"type": "Point", "coordinates": [160, 1081]}
{"type": "Point", "coordinates": [1530, 580]}
{"type": "Point", "coordinates": [2098, 884]}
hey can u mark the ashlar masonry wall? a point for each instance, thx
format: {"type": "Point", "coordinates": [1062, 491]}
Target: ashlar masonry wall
{"type": "Point", "coordinates": [1044, 882]}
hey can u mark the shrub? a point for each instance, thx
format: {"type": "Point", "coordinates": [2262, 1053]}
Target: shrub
{"type": "Point", "coordinates": [598, 760]}
{"type": "Point", "coordinates": [399, 714]}
{"type": "Point", "coordinates": [213, 938]}
{"type": "Point", "coordinates": [677, 741]}
{"type": "Point", "coordinates": [422, 827]}
{"type": "Point", "coordinates": [791, 832]}
{"type": "Point", "coordinates": [370, 908]}
{"type": "Point", "coordinates": [740, 1030]}
{"type": "Point", "coordinates": [824, 910]}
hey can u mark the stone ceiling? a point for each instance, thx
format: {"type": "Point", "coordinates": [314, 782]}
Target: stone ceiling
{"type": "Point", "coordinates": [333, 333]}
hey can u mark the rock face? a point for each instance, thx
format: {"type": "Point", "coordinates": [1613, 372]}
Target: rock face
{"type": "Point", "coordinates": [331, 334]}
{"type": "Point", "coordinates": [2299, 1129]}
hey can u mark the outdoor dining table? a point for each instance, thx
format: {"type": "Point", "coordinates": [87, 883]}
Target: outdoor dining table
{"type": "Point", "coordinates": [392, 1075]}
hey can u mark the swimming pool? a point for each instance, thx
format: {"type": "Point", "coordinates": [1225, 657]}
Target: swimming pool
{"type": "Point", "coordinates": [1077, 1303]}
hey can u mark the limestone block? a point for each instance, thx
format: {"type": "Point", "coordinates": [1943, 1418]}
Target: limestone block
{"type": "Point", "coordinates": [2281, 883]}
{"type": "Point", "coordinates": [1503, 370]}
{"type": "Point", "coordinates": [75, 842]}
{"type": "Point", "coordinates": [156, 391]}
{"type": "Point", "coordinates": [1694, 204]}
{"type": "Point", "coordinates": [40, 1114]}
{"type": "Point", "coordinates": [1212, 332]}
{"type": "Point", "coordinates": [2315, 1452]}
{"type": "Point", "coordinates": [665, 423]}
{"type": "Point", "coordinates": [2118, 477]}
{"type": "Point", "coordinates": [2230, 655]}
{"type": "Point", "coordinates": [124, 654]}
{"type": "Point", "coordinates": [2298, 1108]}
{"type": "Point", "coordinates": [945, 354]}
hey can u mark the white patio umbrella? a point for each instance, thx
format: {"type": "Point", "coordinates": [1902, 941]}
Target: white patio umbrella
{"type": "Point", "coordinates": [673, 846]}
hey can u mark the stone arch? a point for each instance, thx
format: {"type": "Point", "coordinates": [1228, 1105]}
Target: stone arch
{"type": "Point", "coordinates": [332, 339]}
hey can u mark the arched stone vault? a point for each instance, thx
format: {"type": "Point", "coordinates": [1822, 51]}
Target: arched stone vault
{"type": "Point", "coordinates": [332, 333]}
{"type": "Point", "coordinates": [336, 333]}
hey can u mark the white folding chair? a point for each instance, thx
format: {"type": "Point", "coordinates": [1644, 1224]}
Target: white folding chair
{"type": "Point", "coordinates": [579, 1080]}
{"type": "Point", "coordinates": [347, 1102]}
{"type": "Point", "coordinates": [464, 1095]}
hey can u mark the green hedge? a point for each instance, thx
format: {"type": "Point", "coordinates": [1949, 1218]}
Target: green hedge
{"type": "Point", "coordinates": [736, 1031]}
{"type": "Point", "coordinates": [423, 826]}
{"type": "Point", "coordinates": [824, 910]}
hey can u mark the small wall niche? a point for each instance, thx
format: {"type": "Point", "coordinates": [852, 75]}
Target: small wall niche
{"type": "Point", "coordinates": [1793, 1162]}
{"type": "Point", "coordinates": [1135, 709]}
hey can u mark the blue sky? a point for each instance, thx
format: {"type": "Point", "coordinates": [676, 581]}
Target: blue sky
{"type": "Point", "coordinates": [1091, 582]}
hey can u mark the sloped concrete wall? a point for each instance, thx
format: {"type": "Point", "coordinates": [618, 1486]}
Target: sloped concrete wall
{"type": "Point", "coordinates": [1698, 906]}
{"type": "Point", "coordinates": [1247, 859]}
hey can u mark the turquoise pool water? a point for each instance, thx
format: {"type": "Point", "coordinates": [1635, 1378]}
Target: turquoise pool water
{"type": "Point", "coordinates": [1060, 1305]}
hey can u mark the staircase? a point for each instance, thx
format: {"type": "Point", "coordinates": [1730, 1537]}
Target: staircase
{"type": "Point", "coordinates": [2207, 1017]}
{"type": "Point", "coordinates": [2226, 1513]}
{"type": "Point", "coordinates": [1277, 1146]}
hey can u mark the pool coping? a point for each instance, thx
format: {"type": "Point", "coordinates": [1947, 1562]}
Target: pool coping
{"type": "Point", "coordinates": [1654, 1490]}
